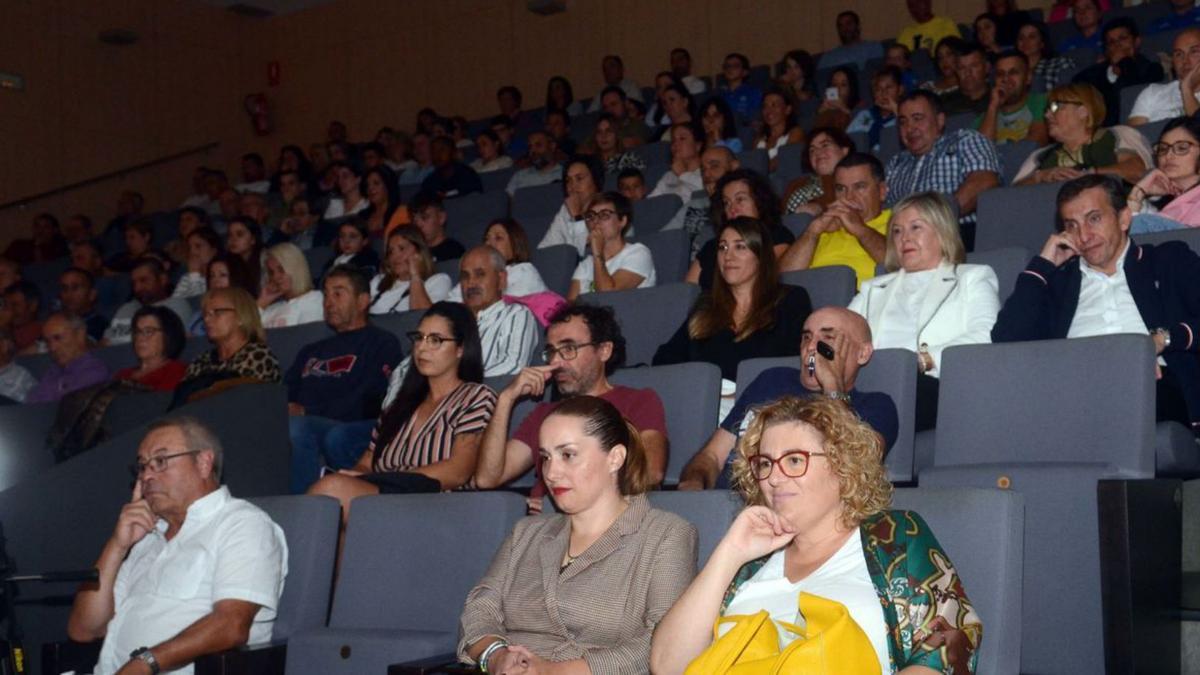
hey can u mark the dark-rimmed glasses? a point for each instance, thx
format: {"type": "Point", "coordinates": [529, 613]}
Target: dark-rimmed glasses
{"type": "Point", "coordinates": [1178, 148]}
{"type": "Point", "coordinates": [433, 339]}
{"type": "Point", "coordinates": [157, 464]}
{"type": "Point", "coordinates": [792, 464]}
{"type": "Point", "coordinates": [567, 352]}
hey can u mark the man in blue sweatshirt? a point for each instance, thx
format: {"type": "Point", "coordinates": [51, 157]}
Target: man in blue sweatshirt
{"type": "Point", "coordinates": [340, 379]}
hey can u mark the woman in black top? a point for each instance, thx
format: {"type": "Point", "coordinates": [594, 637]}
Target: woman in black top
{"type": "Point", "coordinates": [740, 193]}
{"type": "Point", "coordinates": [747, 314]}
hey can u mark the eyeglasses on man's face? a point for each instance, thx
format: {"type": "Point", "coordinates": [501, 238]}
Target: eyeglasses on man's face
{"type": "Point", "coordinates": [566, 351]}
{"type": "Point", "coordinates": [157, 463]}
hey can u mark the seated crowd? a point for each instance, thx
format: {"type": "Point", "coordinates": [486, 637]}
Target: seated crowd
{"type": "Point", "coordinates": [327, 238]}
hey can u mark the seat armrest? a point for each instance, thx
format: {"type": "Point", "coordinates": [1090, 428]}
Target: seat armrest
{"type": "Point", "coordinates": [442, 663]}
{"type": "Point", "coordinates": [264, 659]}
{"type": "Point", "coordinates": [60, 657]}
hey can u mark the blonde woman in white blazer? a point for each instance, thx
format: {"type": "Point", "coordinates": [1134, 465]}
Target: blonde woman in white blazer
{"type": "Point", "coordinates": [930, 300]}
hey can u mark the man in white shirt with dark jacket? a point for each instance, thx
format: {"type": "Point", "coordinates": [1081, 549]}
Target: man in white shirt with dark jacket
{"type": "Point", "coordinates": [1092, 279]}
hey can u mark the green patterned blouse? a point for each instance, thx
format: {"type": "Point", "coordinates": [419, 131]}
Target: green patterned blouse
{"type": "Point", "coordinates": [930, 619]}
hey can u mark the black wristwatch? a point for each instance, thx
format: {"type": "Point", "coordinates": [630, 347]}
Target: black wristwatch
{"type": "Point", "coordinates": [146, 656]}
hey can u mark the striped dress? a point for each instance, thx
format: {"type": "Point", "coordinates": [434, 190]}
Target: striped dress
{"type": "Point", "coordinates": [465, 410]}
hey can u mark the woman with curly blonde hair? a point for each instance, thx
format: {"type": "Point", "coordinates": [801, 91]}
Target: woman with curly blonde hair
{"type": "Point", "coordinates": [817, 522]}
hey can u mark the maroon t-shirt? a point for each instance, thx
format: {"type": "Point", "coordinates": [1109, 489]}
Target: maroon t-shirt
{"type": "Point", "coordinates": [641, 407]}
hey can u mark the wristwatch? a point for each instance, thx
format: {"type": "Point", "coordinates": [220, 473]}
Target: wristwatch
{"type": "Point", "coordinates": [1165, 335]}
{"type": "Point", "coordinates": [144, 655]}
{"type": "Point", "coordinates": [838, 396]}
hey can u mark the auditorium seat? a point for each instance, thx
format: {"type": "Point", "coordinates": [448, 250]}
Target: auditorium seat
{"type": "Point", "coordinates": [1007, 263]}
{"type": "Point", "coordinates": [317, 258]}
{"type": "Point", "coordinates": [797, 223]}
{"type": "Point", "coordinates": [648, 316]}
{"type": "Point", "coordinates": [710, 511]}
{"type": "Point", "coordinates": [691, 394]}
{"type": "Point", "coordinates": [468, 217]}
{"type": "Point", "coordinates": [890, 371]}
{"type": "Point", "coordinates": [650, 215]}
{"type": "Point", "coordinates": [540, 200]}
{"type": "Point", "coordinates": [982, 532]}
{"type": "Point", "coordinates": [1016, 216]}
{"type": "Point", "coordinates": [1053, 418]}
{"type": "Point", "coordinates": [754, 159]}
{"type": "Point", "coordinates": [556, 264]}
{"type": "Point", "coordinates": [286, 343]}
{"type": "Point", "coordinates": [402, 584]}
{"type": "Point", "coordinates": [669, 249]}
{"type": "Point", "coordinates": [449, 267]}
{"type": "Point", "coordinates": [496, 181]}
{"type": "Point", "coordinates": [831, 286]}
{"type": "Point", "coordinates": [1012, 156]}
{"type": "Point", "coordinates": [1128, 98]}
{"type": "Point", "coordinates": [23, 431]}
{"type": "Point", "coordinates": [658, 152]}
{"type": "Point", "coordinates": [791, 162]}
{"type": "Point", "coordinates": [1188, 235]}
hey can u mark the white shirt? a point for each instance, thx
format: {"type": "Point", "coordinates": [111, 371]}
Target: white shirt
{"type": "Point", "coordinates": [564, 229]}
{"type": "Point", "coordinates": [337, 208]}
{"type": "Point", "coordinates": [305, 308]}
{"type": "Point", "coordinates": [258, 187]}
{"type": "Point", "coordinates": [15, 382]}
{"type": "Point", "coordinates": [396, 298]}
{"type": "Point", "coordinates": [227, 549]}
{"type": "Point", "coordinates": [633, 257]}
{"type": "Point", "coordinates": [120, 329]}
{"type": "Point", "coordinates": [843, 578]}
{"type": "Point", "coordinates": [772, 151]}
{"type": "Point", "coordinates": [1160, 102]}
{"type": "Point", "coordinates": [694, 84]}
{"type": "Point", "coordinates": [508, 335]}
{"type": "Point", "coordinates": [523, 279]}
{"type": "Point", "coordinates": [530, 177]}
{"type": "Point", "coordinates": [681, 185]}
{"type": "Point", "coordinates": [190, 285]}
{"type": "Point", "coordinates": [1106, 306]}
{"type": "Point", "coordinates": [501, 162]}
{"type": "Point", "coordinates": [897, 328]}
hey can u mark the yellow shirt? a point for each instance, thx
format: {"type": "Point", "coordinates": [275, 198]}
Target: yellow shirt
{"type": "Point", "coordinates": [927, 35]}
{"type": "Point", "coordinates": [841, 248]}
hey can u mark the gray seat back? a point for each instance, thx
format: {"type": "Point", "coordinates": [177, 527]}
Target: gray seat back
{"type": "Point", "coordinates": [650, 215]}
{"type": "Point", "coordinates": [399, 573]}
{"type": "Point", "coordinates": [533, 202]}
{"type": "Point", "coordinates": [286, 343]}
{"type": "Point", "coordinates": [669, 249]}
{"type": "Point", "coordinates": [23, 430]}
{"type": "Point", "coordinates": [1007, 263]}
{"type": "Point", "coordinates": [691, 396]}
{"type": "Point", "coordinates": [710, 511]}
{"type": "Point", "coordinates": [832, 286]}
{"type": "Point", "coordinates": [1087, 400]}
{"type": "Point", "coordinates": [310, 524]}
{"type": "Point", "coordinates": [467, 217]}
{"type": "Point", "coordinates": [982, 532]}
{"type": "Point", "coordinates": [1016, 216]}
{"type": "Point", "coordinates": [648, 316]}
{"type": "Point", "coordinates": [556, 264]}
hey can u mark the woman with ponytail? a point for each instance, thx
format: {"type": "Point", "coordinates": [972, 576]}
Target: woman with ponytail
{"type": "Point", "coordinates": [582, 589]}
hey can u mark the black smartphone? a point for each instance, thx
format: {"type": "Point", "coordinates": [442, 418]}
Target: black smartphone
{"type": "Point", "coordinates": [825, 350]}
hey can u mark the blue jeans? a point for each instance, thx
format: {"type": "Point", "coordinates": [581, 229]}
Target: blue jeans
{"type": "Point", "coordinates": [320, 441]}
{"type": "Point", "coordinates": [1152, 222]}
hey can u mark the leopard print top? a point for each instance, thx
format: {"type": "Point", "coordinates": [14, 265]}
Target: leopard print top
{"type": "Point", "coordinates": [254, 360]}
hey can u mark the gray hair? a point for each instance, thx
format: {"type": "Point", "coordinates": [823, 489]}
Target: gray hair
{"type": "Point", "coordinates": [73, 322]}
{"type": "Point", "coordinates": [498, 262]}
{"type": "Point", "coordinates": [197, 436]}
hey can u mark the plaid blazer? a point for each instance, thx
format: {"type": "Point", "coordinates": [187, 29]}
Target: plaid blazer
{"type": "Point", "coordinates": [602, 607]}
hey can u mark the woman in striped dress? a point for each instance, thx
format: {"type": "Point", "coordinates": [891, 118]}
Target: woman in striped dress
{"type": "Point", "coordinates": [428, 439]}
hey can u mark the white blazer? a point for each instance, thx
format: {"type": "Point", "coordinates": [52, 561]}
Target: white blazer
{"type": "Point", "coordinates": [960, 308]}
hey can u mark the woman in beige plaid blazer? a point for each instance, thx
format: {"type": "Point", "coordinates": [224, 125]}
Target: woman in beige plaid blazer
{"type": "Point", "coordinates": [581, 590]}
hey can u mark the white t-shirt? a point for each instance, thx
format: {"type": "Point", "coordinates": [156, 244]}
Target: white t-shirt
{"type": "Point", "coordinates": [523, 279]}
{"type": "Point", "coordinates": [681, 185]}
{"type": "Point", "coordinates": [564, 229]}
{"type": "Point", "coordinates": [844, 578]}
{"type": "Point", "coordinates": [1159, 102]}
{"type": "Point", "coordinates": [396, 298]}
{"type": "Point", "coordinates": [258, 187]}
{"type": "Point", "coordinates": [501, 162]}
{"type": "Point", "coordinates": [120, 329]}
{"type": "Point", "coordinates": [227, 549]}
{"type": "Point", "coordinates": [633, 257]}
{"type": "Point", "coordinates": [305, 308]}
{"type": "Point", "coordinates": [337, 208]}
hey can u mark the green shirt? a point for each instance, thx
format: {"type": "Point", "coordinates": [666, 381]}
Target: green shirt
{"type": "Point", "coordinates": [1014, 126]}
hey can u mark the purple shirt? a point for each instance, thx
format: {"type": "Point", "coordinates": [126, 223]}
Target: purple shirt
{"type": "Point", "coordinates": [59, 381]}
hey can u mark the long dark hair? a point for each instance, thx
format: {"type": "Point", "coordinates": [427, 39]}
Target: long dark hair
{"type": "Point", "coordinates": [714, 310]}
{"type": "Point", "coordinates": [770, 212]}
{"type": "Point", "coordinates": [415, 387]}
{"type": "Point", "coordinates": [390, 183]}
{"type": "Point", "coordinates": [254, 262]}
{"type": "Point", "coordinates": [173, 333]}
{"type": "Point", "coordinates": [550, 104]}
{"type": "Point", "coordinates": [728, 128]}
{"type": "Point", "coordinates": [239, 272]}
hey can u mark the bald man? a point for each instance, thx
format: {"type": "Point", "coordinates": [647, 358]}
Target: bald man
{"type": "Point", "coordinates": [74, 366]}
{"type": "Point", "coordinates": [850, 338]}
{"type": "Point", "coordinates": [1179, 96]}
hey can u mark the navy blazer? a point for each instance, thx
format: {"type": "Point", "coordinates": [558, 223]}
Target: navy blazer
{"type": "Point", "coordinates": [1164, 281]}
